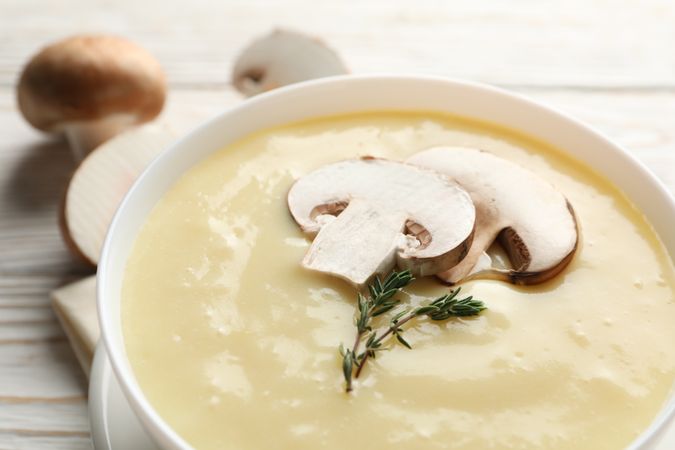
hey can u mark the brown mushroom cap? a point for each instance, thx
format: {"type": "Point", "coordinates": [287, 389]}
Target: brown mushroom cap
{"type": "Point", "coordinates": [90, 77]}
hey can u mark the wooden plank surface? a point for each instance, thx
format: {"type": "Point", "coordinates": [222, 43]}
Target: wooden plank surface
{"type": "Point", "coordinates": [609, 63]}
{"type": "Point", "coordinates": [602, 43]}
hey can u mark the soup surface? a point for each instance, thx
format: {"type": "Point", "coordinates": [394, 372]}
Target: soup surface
{"type": "Point", "coordinates": [235, 344]}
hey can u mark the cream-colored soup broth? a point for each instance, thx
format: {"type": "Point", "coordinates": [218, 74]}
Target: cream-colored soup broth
{"type": "Point", "coordinates": [235, 344]}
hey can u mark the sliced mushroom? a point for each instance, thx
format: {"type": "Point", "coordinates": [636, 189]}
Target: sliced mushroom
{"type": "Point", "coordinates": [91, 87]}
{"type": "Point", "coordinates": [283, 57]}
{"type": "Point", "coordinates": [388, 213]}
{"type": "Point", "coordinates": [100, 183]}
{"type": "Point", "coordinates": [533, 221]}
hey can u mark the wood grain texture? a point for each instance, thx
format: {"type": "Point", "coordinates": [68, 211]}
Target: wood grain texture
{"type": "Point", "coordinates": [608, 63]}
{"type": "Point", "coordinates": [32, 440]}
{"type": "Point", "coordinates": [59, 418]}
{"type": "Point", "coordinates": [39, 370]}
{"type": "Point", "coordinates": [518, 42]}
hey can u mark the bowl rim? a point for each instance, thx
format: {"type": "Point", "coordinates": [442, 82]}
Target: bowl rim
{"type": "Point", "coordinates": [163, 434]}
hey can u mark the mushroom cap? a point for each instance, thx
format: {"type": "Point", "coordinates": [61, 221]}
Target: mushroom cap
{"type": "Point", "coordinates": [530, 218]}
{"type": "Point", "coordinates": [283, 57]}
{"type": "Point", "coordinates": [387, 212]}
{"type": "Point", "coordinates": [90, 77]}
{"type": "Point", "coordinates": [101, 181]}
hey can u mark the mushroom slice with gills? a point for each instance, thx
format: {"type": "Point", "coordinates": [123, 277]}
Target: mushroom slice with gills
{"type": "Point", "coordinates": [101, 181]}
{"type": "Point", "coordinates": [532, 220]}
{"type": "Point", "coordinates": [283, 57]}
{"type": "Point", "coordinates": [388, 213]}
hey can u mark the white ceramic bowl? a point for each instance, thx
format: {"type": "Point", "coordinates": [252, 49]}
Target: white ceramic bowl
{"type": "Point", "coordinates": [353, 94]}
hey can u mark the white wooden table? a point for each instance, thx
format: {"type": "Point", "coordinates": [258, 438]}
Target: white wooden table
{"type": "Point", "coordinates": [609, 63]}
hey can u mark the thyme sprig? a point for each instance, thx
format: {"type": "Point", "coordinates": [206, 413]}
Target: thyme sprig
{"type": "Point", "coordinates": [380, 301]}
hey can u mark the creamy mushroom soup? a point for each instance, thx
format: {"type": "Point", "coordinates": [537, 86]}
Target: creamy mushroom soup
{"type": "Point", "coordinates": [235, 344]}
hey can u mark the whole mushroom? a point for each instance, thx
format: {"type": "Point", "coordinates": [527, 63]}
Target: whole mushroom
{"type": "Point", "coordinates": [91, 87]}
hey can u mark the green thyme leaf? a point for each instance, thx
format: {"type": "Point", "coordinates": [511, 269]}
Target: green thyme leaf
{"type": "Point", "coordinates": [381, 301]}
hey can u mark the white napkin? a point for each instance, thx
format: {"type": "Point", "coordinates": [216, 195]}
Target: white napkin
{"type": "Point", "coordinates": [75, 306]}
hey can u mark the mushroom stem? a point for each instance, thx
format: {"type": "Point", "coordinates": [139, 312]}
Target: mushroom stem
{"type": "Point", "coordinates": [84, 136]}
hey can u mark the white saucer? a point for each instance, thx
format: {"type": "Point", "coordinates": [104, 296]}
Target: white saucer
{"type": "Point", "coordinates": [114, 425]}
